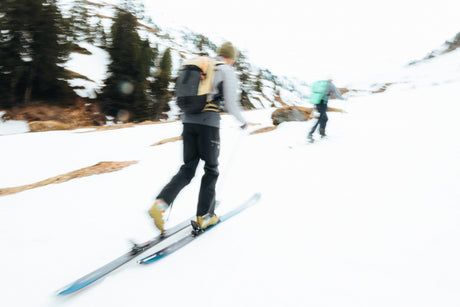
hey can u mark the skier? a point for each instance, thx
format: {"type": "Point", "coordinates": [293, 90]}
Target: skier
{"type": "Point", "coordinates": [201, 140]}
{"type": "Point", "coordinates": [321, 107]}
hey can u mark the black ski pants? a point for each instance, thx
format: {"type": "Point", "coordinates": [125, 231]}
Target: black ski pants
{"type": "Point", "coordinates": [322, 119]}
{"type": "Point", "coordinates": [200, 142]}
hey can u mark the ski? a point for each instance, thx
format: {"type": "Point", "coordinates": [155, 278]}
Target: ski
{"type": "Point", "coordinates": [196, 232]}
{"type": "Point", "coordinates": [136, 250]}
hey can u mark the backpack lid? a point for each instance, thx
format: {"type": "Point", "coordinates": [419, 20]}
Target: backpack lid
{"type": "Point", "coordinates": [207, 66]}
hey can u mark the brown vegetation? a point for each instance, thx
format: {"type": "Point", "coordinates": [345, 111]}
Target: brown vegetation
{"type": "Point", "coordinates": [79, 115]}
{"type": "Point", "coordinates": [127, 125]}
{"type": "Point", "coordinates": [178, 138]}
{"type": "Point", "coordinates": [382, 88]}
{"type": "Point", "coordinates": [263, 130]}
{"type": "Point", "coordinates": [278, 99]}
{"type": "Point", "coordinates": [100, 168]}
{"type": "Point", "coordinates": [47, 125]}
{"type": "Point", "coordinates": [329, 109]}
{"type": "Point", "coordinates": [168, 140]}
{"type": "Point", "coordinates": [43, 117]}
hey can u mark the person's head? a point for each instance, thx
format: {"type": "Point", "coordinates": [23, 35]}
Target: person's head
{"type": "Point", "coordinates": [228, 52]}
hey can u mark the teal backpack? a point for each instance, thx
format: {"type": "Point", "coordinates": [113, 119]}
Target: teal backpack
{"type": "Point", "coordinates": [319, 91]}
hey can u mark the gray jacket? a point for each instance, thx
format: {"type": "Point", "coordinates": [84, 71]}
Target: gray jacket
{"type": "Point", "coordinates": [334, 91]}
{"type": "Point", "coordinates": [231, 102]}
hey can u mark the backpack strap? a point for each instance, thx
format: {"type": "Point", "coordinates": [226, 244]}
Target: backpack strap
{"type": "Point", "coordinates": [206, 83]}
{"type": "Point", "coordinates": [211, 107]}
{"type": "Point", "coordinates": [214, 104]}
{"type": "Point", "coordinates": [204, 67]}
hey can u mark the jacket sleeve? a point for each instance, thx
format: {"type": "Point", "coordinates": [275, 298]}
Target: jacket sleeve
{"type": "Point", "coordinates": [231, 93]}
{"type": "Point", "coordinates": [333, 90]}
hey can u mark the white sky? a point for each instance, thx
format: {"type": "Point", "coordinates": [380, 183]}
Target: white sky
{"type": "Point", "coordinates": [310, 39]}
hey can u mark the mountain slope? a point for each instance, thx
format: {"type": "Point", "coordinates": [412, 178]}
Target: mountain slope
{"type": "Point", "coordinates": [183, 43]}
{"type": "Point", "coordinates": [369, 217]}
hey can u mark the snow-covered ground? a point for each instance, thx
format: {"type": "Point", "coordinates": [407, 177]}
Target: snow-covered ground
{"type": "Point", "coordinates": [12, 126]}
{"type": "Point", "coordinates": [92, 66]}
{"type": "Point", "coordinates": [368, 217]}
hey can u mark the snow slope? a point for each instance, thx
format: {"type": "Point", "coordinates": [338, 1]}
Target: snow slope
{"type": "Point", "coordinates": [368, 217]}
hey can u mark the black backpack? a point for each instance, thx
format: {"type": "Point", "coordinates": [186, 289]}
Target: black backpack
{"type": "Point", "coordinates": [194, 84]}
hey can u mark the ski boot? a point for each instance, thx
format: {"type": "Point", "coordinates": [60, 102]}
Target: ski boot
{"type": "Point", "coordinates": [158, 213]}
{"type": "Point", "coordinates": [203, 222]}
{"type": "Point", "coordinates": [322, 133]}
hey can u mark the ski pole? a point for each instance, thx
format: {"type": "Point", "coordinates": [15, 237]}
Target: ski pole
{"type": "Point", "coordinates": [233, 154]}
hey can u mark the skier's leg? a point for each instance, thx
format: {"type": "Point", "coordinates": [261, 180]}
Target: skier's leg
{"type": "Point", "coordinates": [209, 147]}
{"type": "Point", "coordinates": [323, 120]}
{"type": "Point", "coordinates": [187, 170]}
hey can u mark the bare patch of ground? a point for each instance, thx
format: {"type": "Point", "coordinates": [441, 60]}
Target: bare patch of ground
{"type": "Point", "coordinates": [82, 114]}
{"type": "Point", "coordinates": [127, 125]}
{"type": "Point", "coordinates": [382, 88]}
{"type": "Point", "coordinates": [48, 125]}
{"type": "Point", "coordinates": [179, 138]}
{"type": "Point", "coordinates": [99, 168]}
{"type": "Point", "coordinates": [168, 140]}
{"type": "Point", "coordinates": [329, 109]}
{"type": "Point", "coordinates": [43, 117]}
{"type": "Point", "coordinates": [263, 130]}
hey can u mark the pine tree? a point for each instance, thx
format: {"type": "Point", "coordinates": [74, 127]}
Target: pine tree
{"type": "Point", "coordinates": [155, 53]}
{"type": "Point", "coordinates": [49, 50]}
{"type": "Point", "coordinates": [126, 87]}
{"type": "Point", "coordinates": [454, 44]}
{"type": "Point", "coordinates": [160, 87]}
{"type": "Point", "coordinates": [101, 37]}
{"type": "Point", "coordinates": [258, 85]}
{"type": "Point", "coordinates": [34, 44]}
{"type": "Point", "coordinates": [243, 69]}
{"type": "Point", "coordinates": [135, 7]}
{"type": "Point", "coordinates": [202, 42]}
{"type": "Point", "coordinates": [79, 16]}
{"type": "Point", "coordinates": [12, 67]}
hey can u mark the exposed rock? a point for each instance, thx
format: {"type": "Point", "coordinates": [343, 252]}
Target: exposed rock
{"type": "Point", "coordinates": [291, 113]}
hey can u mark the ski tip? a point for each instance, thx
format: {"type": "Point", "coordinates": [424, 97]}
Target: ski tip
{"type": "Point", "coordinates": [61, 292]}
{"type": "Point", "coordinates": [152, 258]}
{"type": "Point", "coordinates": [71, 289]}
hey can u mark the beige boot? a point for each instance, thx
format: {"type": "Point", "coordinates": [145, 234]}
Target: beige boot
{"type": "Point", "coordinates": [158, 213]}
{"type": "Point", "coordinates": [207, 220]}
